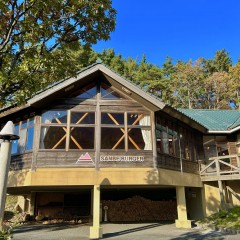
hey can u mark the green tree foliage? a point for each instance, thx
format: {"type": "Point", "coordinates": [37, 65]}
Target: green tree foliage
{"type": "Point", "coordinates": [218, 89]}
{"type": "Point", "coordinates": [186, 84]}
{"type": "Point", "coordinates": [220, 63]}
{"type": "Point", "coordinates": [235, 75]}
{"type": "Point", "coordinates": [204, 83]}
{"type": "Point", "coordinates": [38, 37]}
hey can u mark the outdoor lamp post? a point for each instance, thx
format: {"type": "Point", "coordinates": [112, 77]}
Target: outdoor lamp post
{"type": "Point", "coordinates": [6, 135]}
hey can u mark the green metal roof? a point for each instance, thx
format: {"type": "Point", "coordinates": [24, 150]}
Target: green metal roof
{"type": "Point", "coordinates": [219, 120]}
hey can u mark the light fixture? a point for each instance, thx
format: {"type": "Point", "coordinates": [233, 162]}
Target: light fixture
{"type": "Point", "coordinates": [7, 133]}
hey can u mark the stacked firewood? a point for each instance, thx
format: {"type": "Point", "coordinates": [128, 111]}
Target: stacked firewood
{"type": "Point", "coordinates": [139, 209]}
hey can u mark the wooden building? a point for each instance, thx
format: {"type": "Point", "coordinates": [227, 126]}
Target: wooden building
{"type": "Point", "coordinates": [98, 143]}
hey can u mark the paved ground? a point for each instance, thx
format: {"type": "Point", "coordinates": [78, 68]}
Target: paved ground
{"type": "Point", "coordinates": [147, 231]}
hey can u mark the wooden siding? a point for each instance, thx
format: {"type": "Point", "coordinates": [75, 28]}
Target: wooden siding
{"type": "Point", "coordinates": [62, 159]}
{"type": "Point", "coordinates": [174, 163]}
{"type": "Point", "coordinates": [21, 161]}
{"type": "Point", "coordinates": [71, 159]}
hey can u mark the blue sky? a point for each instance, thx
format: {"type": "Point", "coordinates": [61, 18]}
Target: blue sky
{"type": "Point", "coordinates": [181, 29]}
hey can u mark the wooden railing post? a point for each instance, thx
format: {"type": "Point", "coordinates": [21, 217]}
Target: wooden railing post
{"type": "Point", "coordinates": [238, 161]}
{"type": "Point", "coordinates": [217, 167]}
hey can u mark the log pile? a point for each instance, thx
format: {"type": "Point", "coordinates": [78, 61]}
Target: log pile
{"type": "Point", "coordinates": [139, 209]}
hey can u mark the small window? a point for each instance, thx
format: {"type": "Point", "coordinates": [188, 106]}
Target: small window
{"type": "Point", "coordinates": [89, 91]}
{"type": "Point", "coordinates": [108, 92]}
{"type": "Point", "coordinates": [82, 118]}
{"type": "Point", "coordinates": [112, 118]}
{"type": "Point", "coordinates": [54, 116]}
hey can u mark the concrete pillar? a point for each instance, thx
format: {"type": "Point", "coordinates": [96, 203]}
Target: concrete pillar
{"type": "Point", "coordinates": [204, 207]}
{"type": "Point", "coordinates": [5, 157]}
{"type": "Point", "coordinates": [182, 221]}
{"type": "Point", "coordinates": [96, 231]}
{"type": "Point", "coordinates": [32, 203]}
{"type": "Point", "coordinates": [222, 195]}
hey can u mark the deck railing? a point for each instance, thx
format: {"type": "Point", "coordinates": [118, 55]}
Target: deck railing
{"type": "Point", "coordinates": [227, 166]}
{"type": "Point", "coordinates": [175, 163]}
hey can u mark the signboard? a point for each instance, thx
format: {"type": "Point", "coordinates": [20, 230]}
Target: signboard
{"type": "Point", "coordinates": [86, 158]}
{"type": "Point", "coordinates": [109, 158]}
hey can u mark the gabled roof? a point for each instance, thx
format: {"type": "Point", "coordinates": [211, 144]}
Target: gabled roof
{"type": "Point", "coordinates": [127, 86]}
{"type": "Point", "coordinates": [222, 121]}
{"type": "Point", "coordinates": [90, 73]}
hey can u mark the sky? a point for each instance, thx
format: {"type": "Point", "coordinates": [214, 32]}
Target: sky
{"type": "Point", "coordinates": [180, 29]}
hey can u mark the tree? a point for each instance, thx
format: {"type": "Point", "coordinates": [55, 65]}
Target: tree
{"type": "Point", "coordinates": [218, 83]}
{"type": "Point", "coordinates": [112, 60]}
{"type": "Point", "coordinates": [235, 75]}
{"type": "Point", "coordinates": [220, 63]}
{"type": "Point", "coordinates": [218, 88]}
{"type": "Point", "coordinates": [37, 36]}
{"type": "Point", "coordinates": [186, 84]}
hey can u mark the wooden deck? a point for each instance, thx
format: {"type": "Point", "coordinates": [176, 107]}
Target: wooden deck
{"type": "Point", "coordinates": [221, 168]}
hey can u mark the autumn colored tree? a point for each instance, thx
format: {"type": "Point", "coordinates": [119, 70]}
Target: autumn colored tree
{"type": "Point", "coordinates": [218, 83]}
{"type": "Point", "coordinates": [37, 39]}
{"type": "Point", "coordinates": [186, 84]}
{"type": "Point", "coordinates": [235, 75]}
{"type": "Point", "coordinates": [218, 88]}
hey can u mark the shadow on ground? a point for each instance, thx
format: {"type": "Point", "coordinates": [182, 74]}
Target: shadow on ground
{"type": "Point", "coordinates": [128, 231]}
{"type": "Point", "coordinates": [51, 227]}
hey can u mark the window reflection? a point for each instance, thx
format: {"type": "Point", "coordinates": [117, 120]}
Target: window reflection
{"type": "Point", "coordinates": [108, 92]}
{"type": "Point", "coordinates": [82, 138]}
{"type": "Point", "coordinates": [54, 116]}
{"type": "Point", "coordinates": [25, 131]}
{"type": "Point", "coordinates": [87, 92]}
{"type": "Point", "coordinates": [15, 142]}
{"type": "Point", "coordinates": [82, 118]}
{"type": "Point", "coordinates": [53, 137]}
{"type": "Point", "coordinates": [175, 140]}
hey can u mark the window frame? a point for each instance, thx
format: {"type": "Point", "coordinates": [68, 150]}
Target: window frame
{"type": "Point", "coordinates": [23, 133]}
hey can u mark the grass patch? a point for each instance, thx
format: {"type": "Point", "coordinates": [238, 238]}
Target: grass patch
{"type": "Point", "coordinates": [226, 219]}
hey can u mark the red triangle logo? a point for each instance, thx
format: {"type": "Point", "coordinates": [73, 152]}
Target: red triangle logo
{"type": "Point", "coordinates": [85, 158]}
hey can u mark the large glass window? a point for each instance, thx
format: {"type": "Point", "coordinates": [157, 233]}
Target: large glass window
{"type": "Point", "coordinates": [54, 129]}
{"type": "Point", "coordinates": [175, 140]}
{"type": "Point", "coordinates": [76, 129]}
{"type": "Point", "coordinates": [119, 127]}
{"type": "Point", "coordinates": [82, 130]}
{"type": "Point", "coordinates": [57, 132]}
{"type": "Point", "coordinates": [25, 131]}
